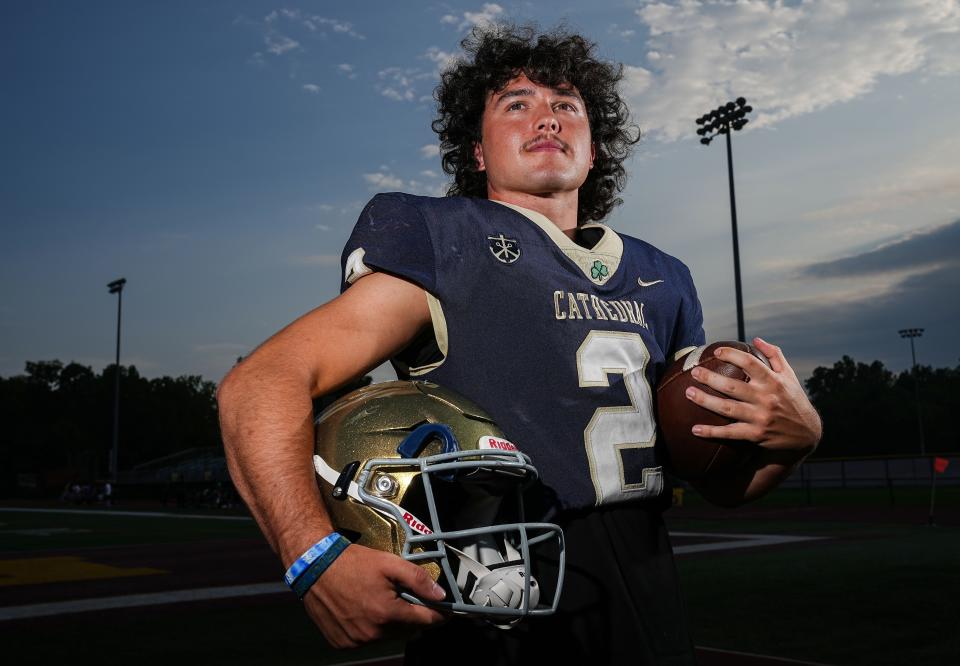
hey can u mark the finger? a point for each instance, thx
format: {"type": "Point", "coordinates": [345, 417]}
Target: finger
{"type": "Point", "coordinates": [773, 353]}
{"type": "Point", "coordinates": [414, 578]}
{"type": "Point", "coordinates": [749, 363]}
{"type": "Point", "coordinates": [732, 409]}
{"type": "Point", "coordinates": [729, 386]}
{"type": "Point", "coordinates": [733, 431]}
{"type": "Point", "coordinates": [408, 613]}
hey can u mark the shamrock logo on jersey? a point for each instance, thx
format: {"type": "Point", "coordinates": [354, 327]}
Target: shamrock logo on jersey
{"type": "Point", "coordinates": [599, 271]}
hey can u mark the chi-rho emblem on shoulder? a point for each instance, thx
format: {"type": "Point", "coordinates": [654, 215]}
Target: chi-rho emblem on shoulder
{"type": "Point", "coordinates": [506, 250]}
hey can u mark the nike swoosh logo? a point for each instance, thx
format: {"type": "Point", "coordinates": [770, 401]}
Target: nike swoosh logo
{"type": "Point", "coordinates": [647, 284]}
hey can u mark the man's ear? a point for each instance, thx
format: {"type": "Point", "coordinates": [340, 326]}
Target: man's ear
{"type": "Point", "coordinates": [478, 156]}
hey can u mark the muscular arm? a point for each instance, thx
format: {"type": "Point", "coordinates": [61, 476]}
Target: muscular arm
{"type": "Point", "coordinates": [267, 424]}
{"type": "Point", "coordinates": [771, 410]}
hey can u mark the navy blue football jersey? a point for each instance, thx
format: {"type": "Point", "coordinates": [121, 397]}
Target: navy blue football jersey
{"type": "Point", "coordinates": [562, 344]}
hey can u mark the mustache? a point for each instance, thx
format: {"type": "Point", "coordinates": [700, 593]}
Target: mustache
{"type": "Point", "coordinates": [544, 138]}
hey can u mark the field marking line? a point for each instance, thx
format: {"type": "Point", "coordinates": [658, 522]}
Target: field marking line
{"type": "Point", "coordinates": [135, 600]}
{"type": "Point", "coordinates": [137, 514]}
{"type": "Point", "coordinates": [396, 658]}
{"type": "Point", "coordinates": [385, 659]}
{"type": "Point", "coordinates": [735, 541]}
{"type": "Point", "coordinates": [43, 531]}
{"type": "Point", "coordinates": [772, 659]}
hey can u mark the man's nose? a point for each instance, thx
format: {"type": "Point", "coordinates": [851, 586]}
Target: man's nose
{"type": "Point", "coordinates": [548, 122]}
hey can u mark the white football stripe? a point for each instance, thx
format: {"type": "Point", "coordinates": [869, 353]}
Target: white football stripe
{"type": "Point", "coordinates": [136, 600]}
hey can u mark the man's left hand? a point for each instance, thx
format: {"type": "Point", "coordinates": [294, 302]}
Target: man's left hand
{"type": "Point", "coordinates": [771, 409]}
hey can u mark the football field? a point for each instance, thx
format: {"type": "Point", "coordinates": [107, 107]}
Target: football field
{"type": "Point", "coordinates": [844, 583]}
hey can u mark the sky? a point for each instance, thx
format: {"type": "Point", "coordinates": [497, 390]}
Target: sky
{"type": "Point", "coordinates": [217, 154]}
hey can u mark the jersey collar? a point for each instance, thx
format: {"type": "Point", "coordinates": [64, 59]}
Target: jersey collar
{"type": "Point", "coordinates": [598, 263]}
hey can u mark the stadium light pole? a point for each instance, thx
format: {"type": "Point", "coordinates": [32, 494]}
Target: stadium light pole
{"type": "Point", "coordinates": [726, 119]}
{"type": "Point", "coordinates": [912, 333]}
{"type": "Point", "coordinates": [116, 287]}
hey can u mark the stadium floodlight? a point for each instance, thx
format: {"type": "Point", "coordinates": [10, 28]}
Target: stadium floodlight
{"type": "Point", "coordinates": [910, 334]}
{"type": "Point", "coordinates": [729, 118]}
{"type": "Point", "coordinates": [116, 287]}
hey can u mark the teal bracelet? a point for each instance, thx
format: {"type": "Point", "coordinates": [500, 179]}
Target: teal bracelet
{"type": "Point", "coordinates": [306, 580]}
{"type": "Point", "coordinates": [316, 550]}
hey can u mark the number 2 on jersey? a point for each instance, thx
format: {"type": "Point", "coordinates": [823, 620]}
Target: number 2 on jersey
{"type": "Point", "coordinates": [613, 430]}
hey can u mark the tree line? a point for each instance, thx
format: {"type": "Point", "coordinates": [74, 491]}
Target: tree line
{"type": "Point", "coordinates": [869, 410]}
{"type": "Point", "coordinates": [57, 420]}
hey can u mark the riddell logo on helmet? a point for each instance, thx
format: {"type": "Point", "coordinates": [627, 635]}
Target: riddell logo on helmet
{"type": "Point", "coordinates": [490, 442]}
{"type": "Point", "coordinates": [415, 524]}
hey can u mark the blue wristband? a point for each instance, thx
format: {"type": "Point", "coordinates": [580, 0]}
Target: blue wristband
{"type": "Point", "coordinates": [306, 580]}
{"type": "Point", "coordinates": [304, 561]}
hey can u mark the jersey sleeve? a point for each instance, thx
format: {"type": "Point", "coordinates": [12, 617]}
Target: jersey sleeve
{"type": "Point", "coordinates": [688, 331]}
{"type": "Point", "coordinates": [392, 236]}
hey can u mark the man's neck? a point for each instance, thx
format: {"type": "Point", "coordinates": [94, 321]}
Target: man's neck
{"type": "Point", "coordinates": [560, 207]}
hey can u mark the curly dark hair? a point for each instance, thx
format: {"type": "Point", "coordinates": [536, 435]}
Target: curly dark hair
{"type": "Point", "coordinates": [496, 54]}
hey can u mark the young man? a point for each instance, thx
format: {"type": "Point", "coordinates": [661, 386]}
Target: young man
{"type": "Point", "coordinates": [559, 328]}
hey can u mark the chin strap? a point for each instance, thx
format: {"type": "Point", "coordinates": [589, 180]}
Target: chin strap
{"type": "Point", "coordinates": [331, 476]}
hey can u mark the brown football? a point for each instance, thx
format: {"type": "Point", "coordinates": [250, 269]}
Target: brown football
{"type": "Point", "coordinates": [690, 457]}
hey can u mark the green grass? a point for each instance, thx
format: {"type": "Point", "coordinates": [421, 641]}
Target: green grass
{"type": "Point", "coordinates": [102, 530]}
{"type": "Point", "coordinates": [275, 631]}
{"type": "Point", "coordinates": [883, 596]}
{"type": "Point", "coordinates": [903, 496]}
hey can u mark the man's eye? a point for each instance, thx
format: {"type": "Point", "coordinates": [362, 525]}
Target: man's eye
{"type": "Point", "coordinates": [515, 106]}
{"type": "Point", "coordinates": [566, 106]}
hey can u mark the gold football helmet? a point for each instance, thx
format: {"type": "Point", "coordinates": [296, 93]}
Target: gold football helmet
{"type": "Point", "coordinates": [413, 469]}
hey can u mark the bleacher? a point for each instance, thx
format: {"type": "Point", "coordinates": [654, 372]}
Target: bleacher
{"type": "Point", "coordinates": [201, 464]}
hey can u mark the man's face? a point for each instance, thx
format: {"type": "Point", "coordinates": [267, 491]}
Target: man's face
{"type": "Point", "coordinates": [535, 140]}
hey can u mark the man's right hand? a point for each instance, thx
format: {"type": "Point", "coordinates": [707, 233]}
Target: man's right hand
{"type": "Point", "coordinates": [358, 597]}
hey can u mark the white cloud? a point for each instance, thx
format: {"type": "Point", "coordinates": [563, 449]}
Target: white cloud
{"type": "Point", "coordinates": [347, 70]}
{"type": "Point", "coordinates": [278, 25]}
{"type": "Point", "coordinates": [426, 189]}
{"type": "Point", "coordinates": [397, 95]}
{"type": "Point", "coordinates": [340, 27]}
{"type": "Point", "coordinates": [383, 181]}
{"type": "Point", "coordinates": [786, 60]}
{"type": "Point", "coordinates": [313, 23]}
{"type": "Point", "coordinates": [488, 14]}
{"type": "Point", "coordinates": [311, 88]}
{"type": "Point", "coordinates": [620, 31]}
{"type": "Point", "coordinates": [429, 151]}
{"type": "Point", "coordinates": [399, 83]}
{"type": "Point", "coordinates": [278, 44]}
{"type": "Point", "coordinates": [918, 187]}
{"type": "Point", "coordinates": [404, 83]}
{"type": "Point", "coordinates": [441, 59]}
